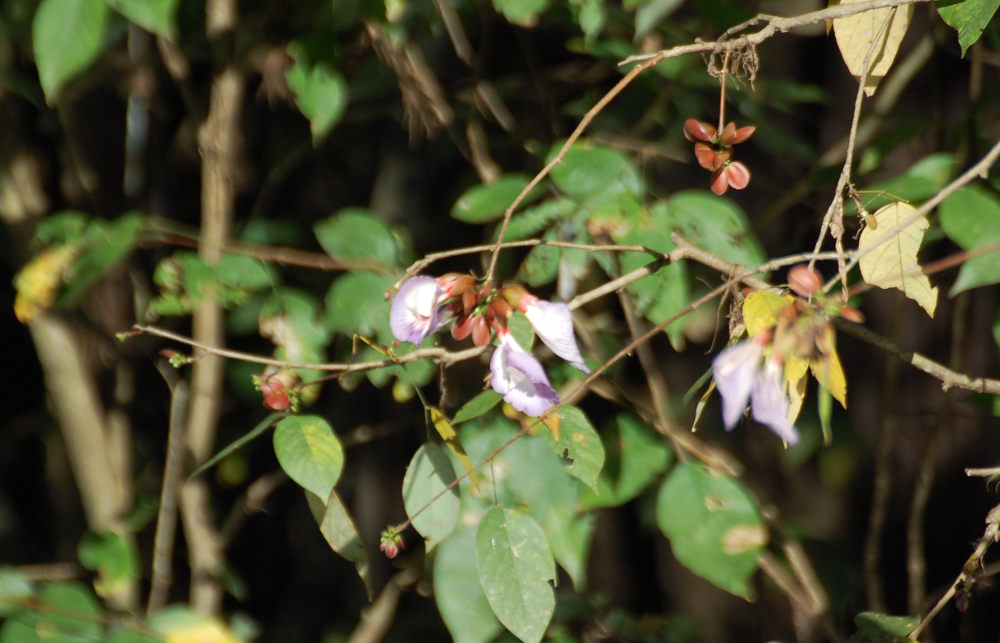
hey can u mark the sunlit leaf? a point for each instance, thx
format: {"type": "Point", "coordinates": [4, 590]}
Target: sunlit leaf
{"type": "Point", "coordinates": [591, 172]}
{"type": "Point", "coordinates": [428, 475]}
{"type": "Point", "coordinates": [65, 612]}
{"type": "Point", "coordinates": [515, 568]}
{"type": "Point", "coordinates": [355, 304]}
{"type": "Point", "coordinates": [38, 283]}
{"type": "Point", "coordinates": [338, 528]}
{"type": "Point", "coordinates": [451, 440]}
{"type": "Point", "coordinates": [863, 33]}
{"type": "Point", "coordinates": [713, 525]}
{"type": "Point", "coordinates": [968, 17]}
{"type": "Point", "coordinates": [893, 264]}
{"type": "Point", "coordinates": [309, 452]}
{"type": "Point", "coordinates": [715, 224]}
{"type": "Point", "coordinates": [971, 218]}
{"type": "Point", "coordinates": [67, 36]}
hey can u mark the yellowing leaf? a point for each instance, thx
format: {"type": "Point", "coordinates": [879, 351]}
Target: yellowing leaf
{"type": "Point", "coordinates": [761, 309]}
{"type": "Point", "coordinates": [552, 421]}
{"type": "Point", "coordinates": [450, 437]}
{"type": "Point", "coordinates": [830, 374]}
{"type": "Point", "coordinates": [208, 630]}
{"type": "Point", "coordinates": [893, 264]}
{"type": "Point", "coordinates": [863, 32]}
{"type": "Point", "coordinates": [38, 283]}
{"type": "Point", "coordinates": [796, 390]}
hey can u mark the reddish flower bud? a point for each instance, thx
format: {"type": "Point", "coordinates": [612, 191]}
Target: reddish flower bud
{"type": "Point", "coordinates": [695, 130]}
{"type": "Point", "coordinates": [462, 327]}
{"type": "Point", "coordinates": [804, 281]}
{"type": "Point", "coordinates": [480, 331]}
{"type": "Point", "coordinates": [743, 134]}
{"type": "Point", "coordinates": [720, 182]}
{"type": "Point", "coordinates": [455, 283]}
{"type": "Point", "coordinates": [737, 174]}
{"type": "Point", "coordinates": [469, 301]}
{"type": "Point", "coordinates": [391, 542]}
{"type": "Point", "coordinates": [500, 308]}
{"type": "Point", "coordinates": [852, 314]}
{"type": "Point", "coordinates": [708, 157]}
{"type": "Point", "coordinates": [514, 294]}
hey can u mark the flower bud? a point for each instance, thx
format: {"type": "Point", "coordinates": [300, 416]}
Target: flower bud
{"type": "Point", "coordinates": [695, 130]}
{"type": "Point", "coordinates": [804, 280]}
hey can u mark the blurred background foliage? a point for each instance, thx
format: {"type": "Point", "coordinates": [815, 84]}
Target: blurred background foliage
{"type": "Point", "coordinates": [366, 134]}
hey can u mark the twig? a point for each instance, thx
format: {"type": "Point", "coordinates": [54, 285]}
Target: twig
{"type": "Point", "coordinates": [166, 514]}
{"type": "Point", "coordinates": [833, 220]}
{"type": "Point", "coordinates": [990, 535]}
{"type": "Point", "coordinates": [978, 170]}
{"type": "Point", "coordinates": [376, 619]}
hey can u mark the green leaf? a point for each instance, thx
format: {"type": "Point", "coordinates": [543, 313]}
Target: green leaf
{"type": "Point", "coordinates": [515, 568]}
{"type": "Point", "coordinates": [66, 613]}
{"type": "Point", "coordinates": [114, 558]}
{"type": "Point", "coordinates": [580, 443]}
{"type": "Point", "coordinates": [713, 525]}
{"type": "Point", "coordinates": [355, 236]}
{"type": "Point", "coordinates": [123, 634]}
{"type": "Point", "coordinates": [880, 628]}
{"type": "Point", "coordinates": [521, 12]}
{"type": "Point", "coordinates": [488, 201]}
{"type": "Point", "coordinates": [971, 218]}
{"type": "Point", "coordinates": [457, 591]}
{"type": "Point", "coordinates": [715, 224]}
{"type": "Point", "coordinates": [570, 535]}
{"type": "Point", "coordinates": [338, 528]}
{"type": "Point", "coordinates": [637, 456]}
{"type": "Point", "coordinates": [14, 590]}
{"type": "Point", "coordinates": [321, 93]}
{"type": "Point", "coordinates": [591, 173]}
{"type": "Point", "coordinates": [66, 37]}
{"type": "Point", "coordinates": [651, 13]}
{"type": "Point", "coordinates": [105, 244]}
{"type": "Point", "coordinates": [968, 17]}
{"type": "Point", "coordinates": [477, 406]}
{"type": "Point", "coordinates": [918, 183]}
{"type": "Point", "coordinates": [355, 304]}
{"type": "Point", "coordinates": [155, 16]}
{"type": "Point", "coordinates": [591, 17]}
{"type": "Point", "coordinates": [291, 319]}
{"type": "Point", "coordinates": [541, 265]}
{"type": "Point", "coordinates": [238, 443]}
{"type": "Point", "coordinates": [428, 474]}
{"type": "Point", "coordinates": [244, 272]}
{"type": "Point", "coordinates": [530, 221]}
{"type": "Point", "coordinates": [521, 329]}
{"type": "Point", "coordinates": [309, 452]}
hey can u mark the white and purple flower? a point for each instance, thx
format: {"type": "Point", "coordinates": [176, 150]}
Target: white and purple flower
{"type": "Point", "coordinates": [417, 311]}
{"type": "Point", "coordinates": [742, 377]}
{"type": "Point", "coordinates": [553, 323]}
{"type": "Point", "coordinates": [520, 378]}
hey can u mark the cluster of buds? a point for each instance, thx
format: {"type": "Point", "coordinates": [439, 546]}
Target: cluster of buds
{"type": "Point", "coordinates": [425, 305]}
{"type": "Point", "coordinates": [281, 389]}
{"type": "Point", "coordinates": [714, 151]}
{"type": "Point", "coordinates": [755, 371]}
{"type": "Point", "coordinates": [391, 542]}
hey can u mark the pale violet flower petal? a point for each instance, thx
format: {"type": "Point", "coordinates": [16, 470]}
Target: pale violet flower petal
{"type": "Point", "coordinates": [769, 403]}
{"type": "Point", "coordinates": [553, 323]}
{"type": "Point", "coordinates": [735, 370]}
{"type": "Point", "coordinates": [415, 311]}
{"type": "Point", "coordinates": [520, 378]}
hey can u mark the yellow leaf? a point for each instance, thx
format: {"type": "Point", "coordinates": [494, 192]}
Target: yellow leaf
{"type": "Point", "coordinates": [796, 390]}
{"type": "Point", "coordinates": [893, 264]}
{"type": "Point", "coordinates": [552, 421]}
{"type": "Point", "coordinates": [863, 32]}
{"type": "Point", "coordinates": [208, 630]}
{"type": "Point", "coordinates": [830, 374]}
{"type": "Point", "coordinates": [38, 282]}
{"type": "Point", "coordinates": [450, 437]}
{"type": "Point", "coordinates": [761, 309]}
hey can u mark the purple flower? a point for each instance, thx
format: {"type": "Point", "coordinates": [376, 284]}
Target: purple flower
{"type": "Point", "coordinates": [521, 379]}
{"type": "Point", "coordinates": [742, 377]}
{"type": "Point", "coordinates": [416, 311]}
{"type": "Point", "coordinates": [553, 323]}
{"type": "Point", "coordinates": [769, 404]}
